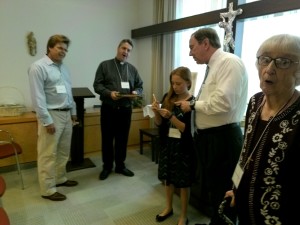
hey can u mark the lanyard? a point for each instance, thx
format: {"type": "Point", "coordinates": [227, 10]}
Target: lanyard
{"type": "Point", "coordinates": [120, 73]}
{"type": "Point", "coordinates": [269, 122]}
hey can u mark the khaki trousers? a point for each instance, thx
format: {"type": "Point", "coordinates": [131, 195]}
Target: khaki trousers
{"type": "Point", "coordinates": [53, 152]}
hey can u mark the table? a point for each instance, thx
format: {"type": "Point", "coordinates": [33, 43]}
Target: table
{"type": "Point", "coordinates": [153, 133]}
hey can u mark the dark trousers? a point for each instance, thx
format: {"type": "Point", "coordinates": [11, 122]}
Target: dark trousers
{"type": "Point", "coordinates": [218, 150]}
{"type": "Point", "coordinates": [115, 126]}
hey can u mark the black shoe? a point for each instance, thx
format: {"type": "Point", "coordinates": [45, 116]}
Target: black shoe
{"type": "Point", "coordinates": [68, 183]}
{"type": "Point", "coordinates": [104, 174]}
{"type": "Point", "coordinates": [162, 218]}
{"type": "Point", "coordinates": [55, 197]}
{"type": "Point", "coordinates": [125, 172]}
{"type": "Point", "coordinates": [200, 224]}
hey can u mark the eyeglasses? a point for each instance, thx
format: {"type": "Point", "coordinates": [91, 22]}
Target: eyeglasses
{"type": "Point", "coordinates": [281, 63]}
{"type": "Point", "coordinates": [62, 49]}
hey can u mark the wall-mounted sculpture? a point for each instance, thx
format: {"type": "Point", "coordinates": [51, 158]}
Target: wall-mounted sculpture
{"type": "Point", "coordinates": [31, 42]}
{"type": "Point", "coordinates": [227, 25]}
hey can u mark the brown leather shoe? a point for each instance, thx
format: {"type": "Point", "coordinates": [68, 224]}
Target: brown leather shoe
{"type": "Point", "coordinates": [55, 197]}
{"type": "Point", "coordinates": [68, 183]}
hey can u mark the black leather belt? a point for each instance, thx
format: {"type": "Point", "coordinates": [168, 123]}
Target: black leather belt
{"type": "Point", "coordinates": [116, 107]}
{"type": "Point", "coordinates": [226, 126]}
{"type": "Point", "coordinates": [65, 109]}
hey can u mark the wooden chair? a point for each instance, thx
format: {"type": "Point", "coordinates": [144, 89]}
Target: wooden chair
{"type": "Point", "coordinates": [9, 148]}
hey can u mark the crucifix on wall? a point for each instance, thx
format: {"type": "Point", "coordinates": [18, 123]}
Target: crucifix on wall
{"type": "Point", "coordinates": [226, 23]}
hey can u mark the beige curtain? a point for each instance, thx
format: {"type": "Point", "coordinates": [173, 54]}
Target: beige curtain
{"type": "Point", "coordinates": [162, 49]}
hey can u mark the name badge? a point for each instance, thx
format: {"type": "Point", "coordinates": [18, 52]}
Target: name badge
{"type": "Point", "coordinates": [237, 175]}
{"type": "Point", "coordinates": [125, 85]}
{"type": "Point", "coordinates": [174, 133]}
{"type": "Point", "coordinates": [61, 89]}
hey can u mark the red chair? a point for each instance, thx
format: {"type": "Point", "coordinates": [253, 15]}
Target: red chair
{"type": "Point", "coordinates": [9, 148]}
{"type": "Point", "coordinates": [2, 186]}
{"type": "Point", "coordinates": [4, 219]}
{"type": "Point", "coordinates": [2, 189]}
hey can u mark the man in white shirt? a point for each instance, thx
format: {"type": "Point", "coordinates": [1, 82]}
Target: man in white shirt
{"type": "Point", "coordinates": [219, 108]}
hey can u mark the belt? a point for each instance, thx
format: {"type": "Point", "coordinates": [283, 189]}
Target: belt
{"type": "Point", "coordinates": [123, 107]}
{"type": "Point", "coordinates": [226, 126]}
{"type": "Point", "coordinates": [65, 109]}
{"type": "Point", "coordinates": [116, 107]}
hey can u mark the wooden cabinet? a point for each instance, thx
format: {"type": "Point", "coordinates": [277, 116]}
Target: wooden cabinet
{"type": "Point", "coordinates": [24, 130]}
{"type": "Point", "coordinates": [138, 121]}
{"type": "Point", "coordinates": [92, 131]}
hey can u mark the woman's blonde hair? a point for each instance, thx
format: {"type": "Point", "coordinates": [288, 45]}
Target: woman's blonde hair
{"type": "Point", "coordinates": [186, 75]}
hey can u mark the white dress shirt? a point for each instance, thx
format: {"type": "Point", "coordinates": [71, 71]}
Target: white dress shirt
{"type": "Point", "coordinates": [223, 97]}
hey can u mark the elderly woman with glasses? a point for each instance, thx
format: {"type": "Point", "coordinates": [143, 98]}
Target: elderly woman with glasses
{"type": "Point", "coordinates": [266, 176]}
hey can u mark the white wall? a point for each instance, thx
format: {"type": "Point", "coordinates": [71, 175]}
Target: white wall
{"type": "Point", "coordinates": [144, 47]}
{"type": "Point", "coordinates": [95, 28]}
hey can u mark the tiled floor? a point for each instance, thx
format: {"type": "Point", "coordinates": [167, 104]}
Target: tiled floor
{"type": "Point", "coordinates": [118, 200]}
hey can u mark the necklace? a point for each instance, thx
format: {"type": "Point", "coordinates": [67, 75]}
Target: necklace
{"type": "Point", "coordinates": [268, 124]}
{"type": "Point", "coordinates": [119, 71]}
{"type": "Point", "coordinates": [267, 112]}
{"type": "Point", "coordinates": [183, 97]}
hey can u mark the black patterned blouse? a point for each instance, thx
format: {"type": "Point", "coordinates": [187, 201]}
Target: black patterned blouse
{"type": "Point", "coordinates": [268, 191]}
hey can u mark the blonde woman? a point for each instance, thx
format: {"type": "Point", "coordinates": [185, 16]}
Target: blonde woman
{"type": "Point", "coordinates": [177, 149]}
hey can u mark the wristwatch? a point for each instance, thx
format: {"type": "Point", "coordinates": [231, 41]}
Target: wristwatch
{"type": "Point", "coordinates": [192, 104]}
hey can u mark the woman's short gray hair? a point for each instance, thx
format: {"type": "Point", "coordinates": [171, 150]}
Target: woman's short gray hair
{"type": "Point", "coordinates": [285, 43]}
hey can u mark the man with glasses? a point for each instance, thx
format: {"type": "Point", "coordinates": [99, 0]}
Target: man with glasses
{"type": "Point", "coordinates": [52, 99]}
{"type": "Point", "coordinates": [218, 109]}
